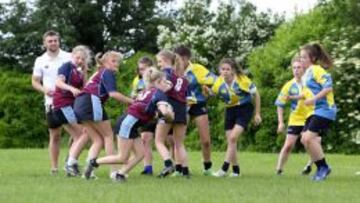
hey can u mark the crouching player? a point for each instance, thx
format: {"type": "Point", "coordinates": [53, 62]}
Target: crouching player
{"type": "Point", "coordinates": [139, 113]}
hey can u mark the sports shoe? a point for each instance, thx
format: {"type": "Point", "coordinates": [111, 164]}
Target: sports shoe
{"type": "Point", "coordinates": [89, 170]}
{"type": "Point", "coordinates": [208, 172]}
{"type": "Point", "coordinates": [72, 170]}
{"type": "Point", "coordinates": [220, 173]}
{"type": "Point", "coordinates": [176, 174]}
{"type": "Point", "coordinates": [166, 171]}
{"type": "Point", "coordinates": [306, 170]}
{"type": "Point", "coordinates": [234, 175]}
{"type": "Point", "coordinates": [357, 173]}
{"type": "Point", "coordinates": [321, 173]}
{"type": "Point", "coordinates": [119, 178]}
{"type": "Point", "coordinates": [279, 172]}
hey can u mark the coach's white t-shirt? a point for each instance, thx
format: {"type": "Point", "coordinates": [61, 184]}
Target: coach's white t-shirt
{"type": "Point", "coordinates": [46, 68]}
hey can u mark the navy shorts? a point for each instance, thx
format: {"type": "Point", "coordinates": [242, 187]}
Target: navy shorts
{"type": "Point", "coordinates": [294, 130]}
{"type": "Point", "coordinates": [198, 109]}
{"type": "Point", "coordinates": [57, 117]}
{"type": "Point", "coordinates": [240, 115]}
{"type": "Point", "coordinates": [179, 111]}
{"type": "Point", "coordinates": [149, 127]}
{"type": "Point", "coordinates": [317, 124]}
{"type": "Point", "coordinates": [88, 107]}
{"type": "Point", "coordinates": [127, 127]}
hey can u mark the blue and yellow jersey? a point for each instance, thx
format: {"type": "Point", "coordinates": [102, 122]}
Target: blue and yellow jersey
{"type": "Point", "coordinates": [314, 80]}
{"type": "Point", "coordinates": [197, 75]}
{"type": "Point", "coordinates": [298, 109]}
{"type": "Point", "coordinates": [137, 86]}
{"type": "Point", "coordinates": [238, 93]}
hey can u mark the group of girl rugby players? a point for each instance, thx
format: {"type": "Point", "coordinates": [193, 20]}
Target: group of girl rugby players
{"type": "Point", "coordinates": [164, 99]}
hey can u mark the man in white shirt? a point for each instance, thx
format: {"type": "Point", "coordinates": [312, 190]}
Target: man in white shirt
{"type": "Point", "coordinates": [43, 80]}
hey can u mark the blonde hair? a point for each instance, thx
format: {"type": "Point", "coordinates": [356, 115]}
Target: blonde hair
{"type": "Point", "coordinates": [101, 58]}
{"type": "Point", "coordinates": [174, 59]}
{"type": "Point", "coordinates": [296, 58]}
{"type": "Point", "coordinates": [151, 75]}
{"type": "Point", "coordinates": [85, 51]}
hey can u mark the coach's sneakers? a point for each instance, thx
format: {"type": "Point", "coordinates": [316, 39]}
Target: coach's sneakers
{"type": "Point", "coordinates": [166, 171]}
{"type": "Point", "coordinates": [321, 173]}
{"type": "Point", "coordinates": [208, 172]}
{"type": "Point", "coordinates": [306, 170]}
{"type": "Point", "coordinates": [72, 170]}
{"type": "Point", "coordinates": [220, 173]}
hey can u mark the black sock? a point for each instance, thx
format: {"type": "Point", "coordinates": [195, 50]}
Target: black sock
{"type": "Point", "coordinates": [225, 166]}
{"type": "Point", "coordinates": [168, 163]}
{"type": "Point", "coordinates": [320, 163]}
{"type": "Point", "coordinates": [94, 163]}
{"type": "Point", "coordinates": [207, 165]}
{"type": "Point", "coordinates": [185, 170]}
{"type": "Point", "coordinates": [236, 169]}
{"type": "Point", "coordinates": [178, 168]}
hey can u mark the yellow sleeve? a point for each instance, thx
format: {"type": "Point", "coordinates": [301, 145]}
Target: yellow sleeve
{"type": "Point", "coordinates": [134, 86]}
{"type": "Point", "coordinates": [203, 75]}
{"type": "Point", "coordinates": [246, 84]}
{"type": "Point", "coordinates": [281, 98]}
{"type": "Point", "coordinates": [216, 86]}
{"type": "Point", "coordinates": [322, 77]}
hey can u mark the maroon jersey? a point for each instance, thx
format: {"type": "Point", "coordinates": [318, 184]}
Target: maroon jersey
{"type": "Point", "coordinates": [74, 78]}
{"type": "Point", "coordinates": [101, 84]}
{"type": "Point", "coordinates": [179, 85]}
{"type": "Point", "coordinates": [144, 106]}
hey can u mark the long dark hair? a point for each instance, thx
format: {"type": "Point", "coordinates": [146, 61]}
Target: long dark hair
{"type": "Point", "coordinates": [318, 55]}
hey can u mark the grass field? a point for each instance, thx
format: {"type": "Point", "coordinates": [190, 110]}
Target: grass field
{"type": "Point", "coordinates": [24, 177]}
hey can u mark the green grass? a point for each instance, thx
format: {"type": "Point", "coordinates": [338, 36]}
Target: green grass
{"type": "Point", "coordinates": [24, 177]}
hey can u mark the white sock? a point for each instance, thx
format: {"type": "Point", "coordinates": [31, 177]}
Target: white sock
{"type": "Point", "coordinates": [71, 161]}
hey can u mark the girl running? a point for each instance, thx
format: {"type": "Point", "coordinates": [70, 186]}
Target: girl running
{"type": "Point", "coordinates": [237, 91]}
{"type": "Point", "coordinates": [174, 68]}
{"type": "Point", "coordinates": [89, 105]}
{"type": "Point", "coordinates": [139, 113]}
{"type": "Point", "coordinates": [71, 78]}
{"type": "Point", "coordinates": [291, 91]}
{"type": "Point", "coordinates": [320, 99]}
{"type": "Point", "coordinates": [148, 130]}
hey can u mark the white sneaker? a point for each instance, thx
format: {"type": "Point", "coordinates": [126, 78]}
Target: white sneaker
{"type": "Point", "coordinates": [234, 175]}
{"type": "Point", "coordinates": [220, 173]}
{"type": "Point", "coordinates": [357, 173]}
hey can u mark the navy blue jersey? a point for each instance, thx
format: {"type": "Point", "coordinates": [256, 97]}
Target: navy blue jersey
{"type": "Point", "coordinates": [101, 84]}
{"type": "Point", "coordinates": [74, 78]}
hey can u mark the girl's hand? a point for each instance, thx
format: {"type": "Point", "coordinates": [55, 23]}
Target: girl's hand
{"type": "Point", "coordinates": [309, 102]}
{"type": "Point", "coordinates": [257, 119]}
{"type": "Point", "coordinates": [75, 91]}
{"type": "Point", "coordinates": [281, 127]}
{"type": "Point", "coordinates": [295, 97]}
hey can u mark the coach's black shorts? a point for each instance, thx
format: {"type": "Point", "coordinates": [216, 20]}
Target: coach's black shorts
{"type": "Point", "coordinates": [88, 107]}
{"type": "Point", "coordinates": [198, 109]}
{"type": "Point", "coordinates": [317, 124]}
{"type": "Point", "coordinates": [294, 130]}
{"type": "Point", "coordinates": [57, 117]}
{"type": "Point", "coordinates": [240, 115]}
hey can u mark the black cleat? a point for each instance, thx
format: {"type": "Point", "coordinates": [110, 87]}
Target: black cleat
{"type": "Point", "coordinates": [147, 173]}
{"type": "Point", "coordinates": [119, 178]}
{"type": "Point", "coordinates": [88, 172]}
{"type": "Point", "coordinates": [306, 170]}
{"type": "Point", "coordinates": [279, 172]}
{"type": "Point", "coordinates": [166, 171]}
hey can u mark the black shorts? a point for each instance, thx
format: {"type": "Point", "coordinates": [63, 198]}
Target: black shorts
{"type": "Point", "coordinates": [88, 107]}
{"type": "Point", "coordinates": [317, 124]}
{"type": "Point", "coordinates": [294, 130]}
{"type": "Point", "coordinates": [57, 117]}
{"type": "Point", "coordinates": [179, 111]}
{"type": "Point", "coordinates": [196, 110]}
{"type": "Point", "coordinates": [127, 127]}
{"type": "Point", "coordinates": [240, 115]}
{"type": "Point", "coordinates": [149, 127]}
